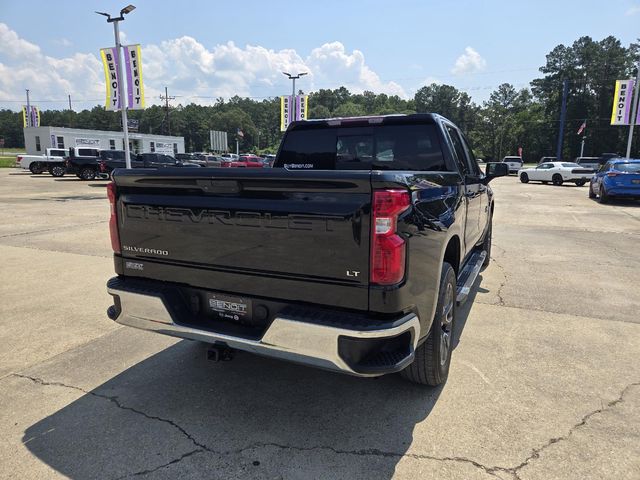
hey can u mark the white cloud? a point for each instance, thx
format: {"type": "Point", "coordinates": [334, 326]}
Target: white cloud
{"type": "Point", "coordinates": [23, 65]}
{"type": "Point", "coordinates": [332, 65]}
{"type": "Point", "coordinates": [191, 71]}
{"type": "Point", "coordinates": [632, 11]}
{"type": "Point", "coordinates": [469, 62]}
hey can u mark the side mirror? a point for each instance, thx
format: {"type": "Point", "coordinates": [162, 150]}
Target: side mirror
{"type": "Point", "coordinates": [495, 170]}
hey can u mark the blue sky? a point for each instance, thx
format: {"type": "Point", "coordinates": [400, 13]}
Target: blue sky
{"type": "Point", "coordinates": [202, 50]}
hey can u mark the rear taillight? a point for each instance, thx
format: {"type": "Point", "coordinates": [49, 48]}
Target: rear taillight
{"type": "Point", "coordinates": [387, 247]}
{"type": "Point", "coordinates": [113, 219]}
{"type": "Point", "coordinates": [103, 167]}
{"type": "Point", "coordinates": [612, 174]}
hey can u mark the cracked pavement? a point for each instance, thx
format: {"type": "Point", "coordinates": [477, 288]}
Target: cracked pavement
{"type": "Point", "coordinates": [544, 383]}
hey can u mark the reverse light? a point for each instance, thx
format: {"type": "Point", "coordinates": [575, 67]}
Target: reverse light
{"type": "Point", "coordinates": [388, 249]}
{"type": "Point", "coordinates": [113, 218]}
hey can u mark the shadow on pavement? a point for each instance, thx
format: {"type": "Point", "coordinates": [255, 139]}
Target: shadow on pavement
{"type": "Point", "coordinates": [179, 415]}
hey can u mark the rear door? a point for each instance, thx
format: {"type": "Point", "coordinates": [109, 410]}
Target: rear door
{"type": "Point", "coordinates": [474, 189]}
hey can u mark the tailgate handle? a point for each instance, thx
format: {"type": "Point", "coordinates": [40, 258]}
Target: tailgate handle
{"type": "Point", "coordinates": [219, 186]}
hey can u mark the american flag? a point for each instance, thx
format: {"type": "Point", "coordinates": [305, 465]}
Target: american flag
{"type": "Point", "coordinates": [582, 127]}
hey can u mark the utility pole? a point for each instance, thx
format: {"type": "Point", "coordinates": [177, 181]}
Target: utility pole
{"type": "Point", "coordinates": [166, 99]}
{"type": "Point", "coordinates": [293, 94]}
{"type": "Point", "coordinates": [582, 146]}
{"type": "Point", "coordinates": [563, 114]}
{"type": "Point", "coordinates": [121, 95]}
{"type": "Point", "coordinates": [70, 102]}
{"type": "Point", "coordinates": [634, 110]}
{"type": "Point", "coordinates": [28, 116]}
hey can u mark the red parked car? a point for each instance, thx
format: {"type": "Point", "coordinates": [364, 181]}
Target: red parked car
{"type": "Point", "coordinates": [245, 161]}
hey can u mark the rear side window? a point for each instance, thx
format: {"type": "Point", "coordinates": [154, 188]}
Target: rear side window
{"type": "Point", "coordinates": [381, 147]}
{"type": "Point", "coordinates": [627, 167]}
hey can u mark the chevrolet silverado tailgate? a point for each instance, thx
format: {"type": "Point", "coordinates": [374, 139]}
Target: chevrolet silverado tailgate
{"type": "Point", "coordinates": [284, 234]}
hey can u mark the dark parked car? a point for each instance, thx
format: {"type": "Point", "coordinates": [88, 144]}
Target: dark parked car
{"type": "Point", "coordinates": [619, 178]}
{"type": "Point", "coordinates": [109, 160]}
{"type": "Point", "coordinates": [351, 254]}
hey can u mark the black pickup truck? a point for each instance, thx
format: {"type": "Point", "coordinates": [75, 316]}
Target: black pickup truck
{"type": "Point", "coordinates": [351, 254]}
{"type": "Point", "coordinates": [105, 161]}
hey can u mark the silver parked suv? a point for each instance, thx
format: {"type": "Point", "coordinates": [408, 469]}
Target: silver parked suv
{"type": "Point", "coordinates": [515, 163]}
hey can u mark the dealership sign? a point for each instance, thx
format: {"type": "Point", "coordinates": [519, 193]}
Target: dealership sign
{"type": "Point", "coordinates": [622, 102]}
{"type": "Point", "coordinates": [112, 74]}
{"type": "Point", "coordinates": [166, 148]}
{"type": "Point", "coordinates": [87, 142]}
{"type": "Point", "coordinates": [112, 77]}
{"type": "Point", "coordinates": [293, 109]}
{"type": "Point", "coordinates": [133, 67]}
{"type": "Point", "coordinates": [286, 108]}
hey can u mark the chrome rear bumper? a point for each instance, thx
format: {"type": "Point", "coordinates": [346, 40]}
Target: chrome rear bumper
{"type": "Point", "coordinates": [287, 338]}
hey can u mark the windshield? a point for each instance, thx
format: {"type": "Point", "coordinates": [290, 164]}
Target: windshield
{"type": "Point", "coordinates": [627, 167]}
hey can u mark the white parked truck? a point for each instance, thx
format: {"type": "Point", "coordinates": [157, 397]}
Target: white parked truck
{"type": "Point", "coordinates": [52, 161]}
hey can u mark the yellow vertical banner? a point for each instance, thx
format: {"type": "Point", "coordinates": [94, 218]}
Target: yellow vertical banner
{"type": "Point", "coordinates": [285, 112]}
{"type": "Point", "coordinates": [303, 108]}
{"type": "Point", "coordinates": [24, 117]}
{"type": "Point", "coordinates": [622, 102]}
{"type": "Point", "coordinates": [133, 74]}
{"type": "Point", "coordinates": [112, 78]}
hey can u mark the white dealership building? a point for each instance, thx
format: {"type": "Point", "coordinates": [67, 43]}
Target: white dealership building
{"type": "Point", "coordinates": [37, 139]}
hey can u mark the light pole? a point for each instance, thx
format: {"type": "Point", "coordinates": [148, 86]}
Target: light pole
{"type": "Point", "coordinates": [293, 94]}
{"type": "Point", "coordinates": [123, 107]}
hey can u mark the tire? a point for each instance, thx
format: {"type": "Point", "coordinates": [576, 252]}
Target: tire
{"type": "Point", "coordinates": [557, 179]}
{"type": "Point", "coordinates": [580, 183]}
{"type": "Point", "coordinates": [36, 168]}
{"type": "Point", "coordinates": [433, 357]}
{"type": "Point", "coordinates": [486, 243]}
{"type": "Point", "coordinates": [591, 192]}
{"type": "Point", "coordinates": [57, 170]}
{"type": "Point", "coordinates": [602, 195]}
{"type": "Point", "coordinates": [524, 178]}
{"type": "Point", "coordinates": [88, 173]}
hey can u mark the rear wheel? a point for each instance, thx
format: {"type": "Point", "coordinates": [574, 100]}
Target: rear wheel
{"type": "Point", "coordinates": [603, 197]}
{"type": "Point", "coordinates": [431, 363]}
{"type": "Point", "coordinates": [57, 170]}
{"type": "Point", "coordinates": [36, 168]}
{"type": "Point", "coordinates": [524, 178]}
{"type": "Point", "coordinates": [557, 179]}
{"type": "Point", "coordinates": [88, 173]}
{"type": "Point", "coordinates": [580, 183]}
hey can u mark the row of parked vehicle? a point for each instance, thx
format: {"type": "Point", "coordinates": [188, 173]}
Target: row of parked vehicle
{"type": "Point", "coordinates": [91, 163]}
{"type": "Point", "coordinates": [608, 176]}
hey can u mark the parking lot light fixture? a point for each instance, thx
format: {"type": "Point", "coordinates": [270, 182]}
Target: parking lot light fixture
{"type": "Point", "coordinates": [123, 108]}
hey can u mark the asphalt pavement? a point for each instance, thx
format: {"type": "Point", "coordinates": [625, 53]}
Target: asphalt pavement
{"type": "Point", "coordinates": [544, 381]}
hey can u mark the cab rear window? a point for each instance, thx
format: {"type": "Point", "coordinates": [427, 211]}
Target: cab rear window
{"type": "Point", "coordinates": [381, 147]}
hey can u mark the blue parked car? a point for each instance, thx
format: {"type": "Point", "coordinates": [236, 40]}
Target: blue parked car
{"type": "Point", "coordinates": [619, 177]}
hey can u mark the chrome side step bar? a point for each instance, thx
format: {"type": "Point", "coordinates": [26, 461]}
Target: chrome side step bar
{"type": "Point", "coordinates": [468, 276]}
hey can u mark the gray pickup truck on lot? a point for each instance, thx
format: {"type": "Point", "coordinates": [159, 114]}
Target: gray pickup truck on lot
{"type": "Point", "coordinates": [351, 254]}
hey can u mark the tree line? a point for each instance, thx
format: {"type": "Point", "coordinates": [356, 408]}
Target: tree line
{"type": "Point", "coordinates": [510, 119]}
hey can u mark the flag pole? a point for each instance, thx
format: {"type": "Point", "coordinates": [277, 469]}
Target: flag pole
{"type": "Point", "coordinates": [634, 110]}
